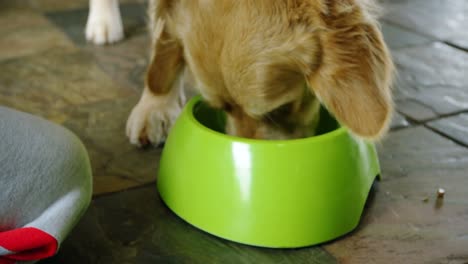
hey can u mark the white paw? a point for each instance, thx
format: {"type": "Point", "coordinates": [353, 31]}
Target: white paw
{"type": "Point", "coordinates": [151, 119]}
{"type": "Point", "coordinates": [104, 23]}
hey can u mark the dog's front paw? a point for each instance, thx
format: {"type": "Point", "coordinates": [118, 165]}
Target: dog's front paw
{"type": "Point", "coordinates": [104, 23]}
{"type": "Point", "coordinates": [150, 122]}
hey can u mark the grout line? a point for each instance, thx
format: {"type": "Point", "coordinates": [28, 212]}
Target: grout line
{"type": "Point", "coordinates": [400, 128]}
{"type": "Point", "coordinates": [103, 195]}
{"type": "Point", "coordinates": [410, 120]}
{"type": "Point", "coordinates": [425, 35]}
{"type": "Point", "coordinates": [441, 116]}
{"type": "Point", "coordinates": [440, 133]}
{"type": "Point", "coordinates": [453, 45]}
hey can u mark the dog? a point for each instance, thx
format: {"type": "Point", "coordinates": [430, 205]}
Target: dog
{"type": "Point", "coordinates": [268, 64]}
{"type": "Point", "coordinates": [104, 24]}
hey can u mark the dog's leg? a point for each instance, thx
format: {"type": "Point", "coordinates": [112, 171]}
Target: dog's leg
{"type": "Point", "coordinates": [163, 95]}
{"type": "Point", "coordinates": [153, 116]}
{"type": "Point", "coordinates": [104, 22]}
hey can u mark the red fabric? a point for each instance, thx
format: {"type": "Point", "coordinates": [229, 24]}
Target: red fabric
{"type": "Point", "coordinates": [6, 261]}
{"type": "Point", "coordinates": [27, 243]}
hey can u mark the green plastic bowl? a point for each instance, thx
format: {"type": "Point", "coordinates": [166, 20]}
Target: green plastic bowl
{"type": "Point", "coordinates": [269, 193]}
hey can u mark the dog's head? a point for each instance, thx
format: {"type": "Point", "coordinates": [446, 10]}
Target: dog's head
{"type": "Point", "coordinates": [273, 50]}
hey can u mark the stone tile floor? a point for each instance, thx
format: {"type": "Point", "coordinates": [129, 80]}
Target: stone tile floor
{"type": "Point", "coordinates": [46, 68]}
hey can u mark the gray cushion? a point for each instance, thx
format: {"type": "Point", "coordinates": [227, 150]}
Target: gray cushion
{"type": "Point", "coordinates": [45, 175]}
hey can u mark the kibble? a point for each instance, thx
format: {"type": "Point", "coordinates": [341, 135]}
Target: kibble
{"type": "Point", "coordinates": [440, 193]}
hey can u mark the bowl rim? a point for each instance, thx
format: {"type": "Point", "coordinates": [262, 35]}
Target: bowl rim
{"type": "Point", "coordinates": [188, 111]}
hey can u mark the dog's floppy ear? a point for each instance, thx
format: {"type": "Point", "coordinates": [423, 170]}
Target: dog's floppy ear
{"type": "Point", "coordinates": [354, 73]}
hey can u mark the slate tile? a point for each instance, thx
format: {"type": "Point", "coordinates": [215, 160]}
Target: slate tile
{"type": "Point", "coordinates": [25, 32]}
{"type": "Point", "coordinates": [116, 164]}
{"type": "Point", "coordinates": [437, 18]}
{"type": "Point", "coordinates": [431, 81]}
{"type": "Point", "coordinates": [49, 83]}
{"type": "Point", "coordinates": [136, 227]}
{"type": "Point", "coordinates": [404, 221]}
{"type": "Point", "coordinates": [399, 121]}
{"type": "Point", "coordinates": [397, 37]}
{"type": "Point", "coordinates": [455, 127]}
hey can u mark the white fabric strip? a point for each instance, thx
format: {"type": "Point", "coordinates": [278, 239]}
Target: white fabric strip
{"type": "Point", "coordinates": [4, 251]}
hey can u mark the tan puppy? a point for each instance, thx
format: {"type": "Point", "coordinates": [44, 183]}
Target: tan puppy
{"type": "Point", "coordinates": [265, 62]}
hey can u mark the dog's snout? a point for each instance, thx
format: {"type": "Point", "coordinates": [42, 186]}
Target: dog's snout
{"type": "Point", "coordinates": [240, 124]}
